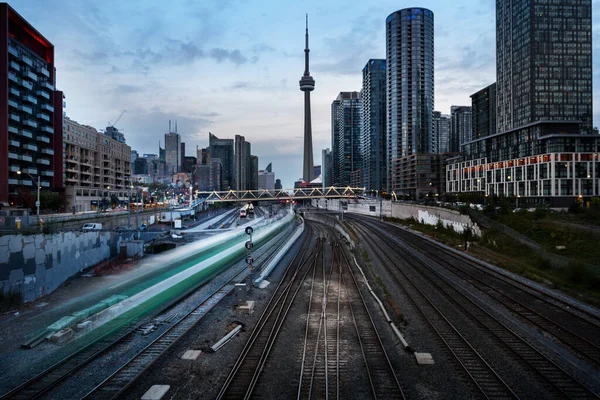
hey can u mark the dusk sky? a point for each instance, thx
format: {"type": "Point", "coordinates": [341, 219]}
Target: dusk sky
{"type": "Point", "coordinates": [232, 67]}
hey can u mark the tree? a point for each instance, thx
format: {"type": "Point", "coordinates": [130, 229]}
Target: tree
{"type": "Point", "coordinates": [595, 130]}
{"type": "Point", "coordinates": [25, 198]}
{"type": "Point", "coordinates": [51, 201]}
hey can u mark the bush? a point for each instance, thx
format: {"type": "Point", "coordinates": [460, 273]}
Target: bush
{"type": "Point", "coordinates": [578, 274]}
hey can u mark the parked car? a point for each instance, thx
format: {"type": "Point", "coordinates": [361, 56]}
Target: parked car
{"type": "Point", "coordinates": [143, 227]}
{"type": "Point", "coordinates": [122, 229]}
{"type": "Point", "coordinates": [92, 227]}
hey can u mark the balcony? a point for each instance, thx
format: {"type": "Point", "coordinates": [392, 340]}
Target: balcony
{"type": "Point", "coordinates": [43, 94]}
{"type": "Point", "coordinates": [72, 169]}
{"type": "Point", "coordinates": [48, 86]}
{"type": "Point", "coordinates": [47, 173]}
{"type": "Point", "coordinates": [27, 182]}
{"type": "Point", "coordinates": [24, 157]}
{"type": "Point", "coordinates": [31, 147]}
{"type": "Point", "coordinates": [13, 104]}
{"type": "Point", "coordinates": [14, 92]}
{"type": "Point", "coordinates": [14, 143]}
{"type": "Point", "coordinates": [12, 129]}
{"type": "Point", "coordinates": [45, 184]}
{"type": "Point", "coordinates": [43, 161]}
{"type": "Point", "coordinates": [13, 77]}
{"type": "Point", "coordinates": [43, 139]}
{"type": "Point", "coordinates": [14, 156]}
{"type": "Point", "coordinates": [43, 116]}
{"type": "Point", "coordinates": [31, 123]}
{"type": "Point", "coordinates": [30, 170]}
{"type": "Point", "coordinates": [45, 72]}
{"type": "Point", "coordinates": [26, 133]}
{"type": "Point", "coordinates": [15, 66]}
{"type": "Point", "coordinates": [14, 117]}
{"type": "Point", "coordinates": [47, 150]}
{"type": "Point", "coordinates": [47, 107]}
{"type": "Point", "coordinates": [27, 60]}
{"type": "Point", "coordinates": [31, 76]}
{"type": "Point", "coordinates": [14, 168]}
{"type": "Point", "coordinates": [48, 129]}
{"type": "Point", "coordinates": [26, 109]}
{"type": "Point", "coordinates": [13, 51]}
{"type": "Point", "coordinates": [13, 181]}
{"type": "Point", "coordinates": [27, 85]}
{"type": "Point", "coordinates": [30, 99]}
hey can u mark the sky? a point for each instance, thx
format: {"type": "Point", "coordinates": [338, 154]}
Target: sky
{"type": "Point", "coordinates": [232, 66]}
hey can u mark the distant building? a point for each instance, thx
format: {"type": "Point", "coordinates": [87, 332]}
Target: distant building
{"type": "Point", "coordinates": [134, 156]}
{"type": "Point", "coordinates": [345, 129]}
{"type": "Point", "coordinates": [173, 152]}
{"type": "Point", "coordinates": [216, 174]}
{"type": "Point", "coordinates": [419, 176]}
{"type": "Point", "coordinates": [242, 163]}
{"type": "Point", "coordinates": [410, 84]}
{"type": "Point", "coordinates": [441, 132]}
{"type": "Point", "coordinates": [316, 170]}
{"type": "Point", "coordinates": [373, 137]}
{"type": "Point", "coordinates": [223, 149]}
{"type": "Point", "coordinates": [189, 164]}
{"type": "Point", "coordinates": [327, 168]}
{"type": "Point", "coordinates": [140, 166]}
{"type": "Point", "coordinates": [266, 178]}
{"type": "Point", "coordinates": [253, 173]}
{"type": "Point", "coordinates": [95, 165]}
{"type": "Point", "coordinates": [114, 134]}
{"type": "Point", "coordinates": [203, 178]}
{"type": "Point", "coordinates": [483, 107]}
{"type": "Point", "coordinates": [278, 184]}
{"type": "Point", "coordinates": [182, 152]}
{"type": "Point", "coordinates": [460, 128]}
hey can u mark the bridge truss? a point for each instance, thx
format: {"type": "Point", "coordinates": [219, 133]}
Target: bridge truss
{"type": "Point", "coordinates": [281, 194]}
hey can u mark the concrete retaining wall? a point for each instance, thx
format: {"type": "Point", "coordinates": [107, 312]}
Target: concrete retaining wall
{"type": "Point", "coordinates": [330, 220]}
{"type": "Point", "coordinates": [424, 214]}
{"type": "Point", "coordinates": [35, 265]}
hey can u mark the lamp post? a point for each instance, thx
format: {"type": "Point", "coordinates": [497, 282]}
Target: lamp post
{"type": "Point", "coordinates": [37, 203]}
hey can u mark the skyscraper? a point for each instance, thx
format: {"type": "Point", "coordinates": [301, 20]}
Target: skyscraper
{"type": "Point", "coordinates": [543, 62]}
{"type": "Point", "coordinates": [31, 109]}
{"type": "Point", "coordinates": [327, 169]}
{"type": "Point", "coordinates": [460, 129]}
{"type": "Point", "coordinates": [253, 173]}
{"type": "Point", "coordinates": [173, 155]}
{"type": "Point", "coordinates": [441, 132]}
{"type": "Point", "coordinates": [373, 137]}
{"type": "Point", "coordinates": [242, 163]}
{"type": "Point", "coordinates": [222, 149]}
{"type": "Point", "coordinates": [483, 107]}
{"type": "Point", "coordinates": [410, 83]}
{"type": "Point", "coordinates": [307, 85]}
{"type": "Point", "coordinates": [345, 137]}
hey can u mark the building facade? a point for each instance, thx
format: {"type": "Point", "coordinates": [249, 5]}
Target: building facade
{"type": "Point", "coordinates": [327, 167]}
{"type": "Point", "coordinates": [223, 149]}
{"type": "Point", "coordinates": [460, 127]}
{"type": "Point", "coordinates": [543, 151]}
{"type": "Point", "coordinates": [410, 84]}
{"type": "Point", "coordinates": [543, 62]}
{"type": "Point", "coordinates": [253, 173]}
{"type": "Point", "coordinates": [96, 167]}
{"type": "Point", "coordinates": [483, 107]}
{"type": "Point", "coordinates": [373, 136]}
{"type": "Point", "coordinates": [31, 120]}
{"type": "Point", "coordinates": [242, 162]}
{"type": "Point", "coordinates": [173, 152]}
{"type": "Point", "coordinates": [346, 143]}
{"type": "Point", "coordinates": [419, 176]}
{"type": "Point", "coordinates": [266, 179]}
{"type": "Point", "coordinates": [441, 132]}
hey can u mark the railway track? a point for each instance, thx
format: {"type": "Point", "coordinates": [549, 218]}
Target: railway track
{"type": "Point", "coordinates": [430, 290]}
{"type": "Point", "coordinates": [244, 375]}
{"type": "Point", "coordinates": [339, 336]}
{"type": "Point", "coordinates": [575, 328]}
{"type": "Point", "coordinates": [116, 340]}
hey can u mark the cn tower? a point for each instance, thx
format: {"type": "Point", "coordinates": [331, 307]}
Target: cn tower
{"type": "Point", "coordinates": [307, 85]}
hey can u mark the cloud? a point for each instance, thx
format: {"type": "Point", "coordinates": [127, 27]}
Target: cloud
{"type": "Point", "coordinates": [121, 89]}
{"type": "Point", "coordinates": [256, 86]}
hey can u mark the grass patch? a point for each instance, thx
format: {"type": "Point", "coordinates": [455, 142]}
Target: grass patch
{"type": "Point", "coordinates": [507, 253]}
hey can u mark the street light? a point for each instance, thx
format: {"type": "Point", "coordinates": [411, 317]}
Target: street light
{"type": "Point", "coordinates": [37, 203]}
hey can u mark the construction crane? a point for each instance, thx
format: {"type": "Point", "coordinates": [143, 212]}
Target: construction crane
{"type": "Point", "coordinates": [112, 125]}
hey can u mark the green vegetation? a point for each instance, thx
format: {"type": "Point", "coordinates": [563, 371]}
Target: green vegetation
{"type": "Point", "coordinates": [544, 227]}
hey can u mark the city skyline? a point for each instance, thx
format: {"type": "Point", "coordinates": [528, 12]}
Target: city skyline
{"type": "Point", "coordinates": [220, 68]}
